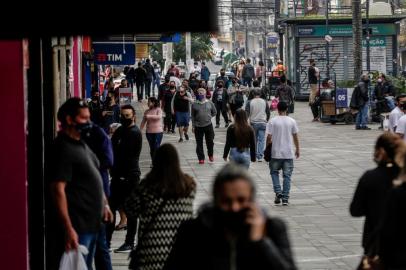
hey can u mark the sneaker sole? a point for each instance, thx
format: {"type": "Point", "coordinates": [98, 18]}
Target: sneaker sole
{"type": "Point", "coordinates": [126, 251]}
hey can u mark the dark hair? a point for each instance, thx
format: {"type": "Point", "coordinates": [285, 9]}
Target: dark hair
{"type": "Point", "coordinates": [248, 60]}
{"type": "Point", "coordinates": [154, 101]}
{"type": "Point", "coordinates": [399, 97]}
{"type": "Point", "coordinates": [311, 61]}
{"type": "Point", "coordinates": [230, 173]}
{"type": "Point", "coordinates": [171, 74]}
{"type": "Point", "coordinates": [147, 60]}
{"type": "Point", "coordinates": [70, 108]}
{"type": "Point", "coordinates": [282, 106]}
{"type": "Point", "coordinates": [95, 91]}
{"type": "Point", "coordinates": [242, 129]}
{"type": "Point", "coordinates": [388, 142]}
{"type": "Point", "coordinates": [128, 107]}
{"type": "Point", "coordinates": [203, 63]}
{"type": "Point", "coordinates": [139, 64]}
{"type": "Point", "coordinates": [261, 63]}
{"type": "Point", "coordinates": [255, 83]}
{"type": "Point", "coordinates": [383, 76]}
{"type": "Point", "coordinates": [166, 177]}
{"type": "Point", "coordinates": [222, 70]}
{"type": "Point", "coordinates": [283, 79]}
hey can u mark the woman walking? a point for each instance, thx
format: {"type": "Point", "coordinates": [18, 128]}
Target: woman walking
{"type": "Point", "coordinates": [162, 201]}
{"type": "Point", "coordinates": [240, 140]}
{"type": "Point", "coordinates": [153, 120]}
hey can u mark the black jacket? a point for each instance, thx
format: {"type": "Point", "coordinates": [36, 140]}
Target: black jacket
{"type": "Point", "coordinates": [231, 142]}
{"type": "Point", "coordinates": [140, 74]}
{"type": "Point", "coordinates": [201, 245]}
{"type": "Point", "coordinates": [224, 98]}
{"type": "Point", "coordinates": [369, 200]}
{"type": "Point", "coordinates": [149, 69]}
{"type": "Point", "coordinates": [393, 236]}
{"type": "Point", "coordinates": [359, 96]}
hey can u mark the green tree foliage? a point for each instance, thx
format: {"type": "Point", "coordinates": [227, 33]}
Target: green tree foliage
{"type": "Point", "coordinates": [201, 47]}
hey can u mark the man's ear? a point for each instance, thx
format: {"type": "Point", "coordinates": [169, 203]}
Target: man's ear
{"type": "Point", "coordinates": [69, 120]}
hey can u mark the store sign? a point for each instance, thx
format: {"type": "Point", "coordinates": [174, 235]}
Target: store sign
{"type": "Point", "coordinates": [341, 98]}
{"type": "Point", "coordinates": [142, 51]}
{"type": "Point", "coordinates": [377, 54]}
{"type": "Point", "coordinates": [114, 53]}
{"type": "Point", "coordinates": [342, 30]}
{"type": "Point", "coordinates": [272, 42]}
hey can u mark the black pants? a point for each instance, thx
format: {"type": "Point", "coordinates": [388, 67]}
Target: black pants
{"type": "Point", "coordinates": [208, 133]}
{"type": "Point", "coordinates": [148, 83]}
{"type": "Point", "coordinates": [140, 89]}
{"type": "Point", "coordinates": [315, 109]}
{"type": "Point", "coordinates": [221, 109]}
{"type": "Point", "coordinates": [170, 121]}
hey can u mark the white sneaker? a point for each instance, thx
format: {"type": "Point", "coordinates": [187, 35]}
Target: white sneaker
{"type": "Point", "coordinates": [260, 160]}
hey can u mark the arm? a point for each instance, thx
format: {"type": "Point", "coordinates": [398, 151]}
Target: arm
{"type": "Point", "coordinates": [267, 111]}
{"type": "Point", "coordinates": [213, 110]}
{"type": "Point", "coordinates": [144, 120]}
{"type": "Point", "coordinates": [227, 145]}
{"type": "Point", "coordinates": [193, 116]}
{"type": "Point", "coordinates": [252, 146]}
{"type": "Point", "coordinates": [296, 141]}
{"type": "Point", "coordinates": [173, 104]}
{"type": "Point", "coordinates": [154, 116]}
{"type": "Point", "coordinates": [358, 205]}
{"type": "Point", "coordinates": [247, 108]}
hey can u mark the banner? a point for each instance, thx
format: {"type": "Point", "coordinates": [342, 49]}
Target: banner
{"type": "Point", "coordinates": [114, 54]}
{"type": "Point", "coordinates": [377, 54]}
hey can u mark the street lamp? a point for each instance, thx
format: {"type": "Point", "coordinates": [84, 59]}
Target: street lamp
{"type": "Point", "coordinates": [327, 42]}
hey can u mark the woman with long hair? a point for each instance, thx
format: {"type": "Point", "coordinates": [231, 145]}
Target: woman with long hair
{"type": "Point", "coordinates": [153, 120]}
{"type": "Point", "coordinates": [240, 140]}
{"type": "Point", "coordinates": [162, 201]}
{"type": "Point", "coordinates": [373, 189]}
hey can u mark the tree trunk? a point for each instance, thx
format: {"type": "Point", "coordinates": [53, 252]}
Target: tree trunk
{"type": "Point", "coordinates": [357, 38]}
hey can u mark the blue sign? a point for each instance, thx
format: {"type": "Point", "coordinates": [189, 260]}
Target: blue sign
{"type": "Point", "coordinates": [114, 53]}
{"type": "Point", "coordinates": [171, 38]}
{"type": "Point", "coordinates": [341, 98]}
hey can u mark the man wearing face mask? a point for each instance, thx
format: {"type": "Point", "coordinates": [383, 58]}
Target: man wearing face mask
{"type": "Point", "coordinates": [220, 99]}
{"type": "Point", "coordinates": [76, 187]}
{"type": "Point", "coordinates": [232, 232]}
{"type": "Point", "coordinates": [95, 107]}
{"type": "Point", "coordinates": [203, 111]}
{"type": "Point", "coordinates": [170, 119]}
{"type": "Point", "coordinates": [180, 107]}
{"type": "Point", "coordinates": [359, 101]}
{"type": "Point", "coordinates": [127, 144]}
{"type": "Point", "coordinates": [223, 78]}
{"type": "Point", "coordinates": [111, 112]}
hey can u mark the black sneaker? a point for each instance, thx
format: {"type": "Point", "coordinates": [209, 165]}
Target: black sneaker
{"type": "Point", "coordinates": [357, 128]}
{"type": "Point", "coordinates": [278, 198]}
{"type": "Point", "coordinates": [226, 126]}
{"type": "Point", "coordinates": [365, 128]}
{"type": "Point", "coordinates": [186, 137]}
{"type": "Point", "coordinates": [125, 248]}
{"type": "Point", "coordinates": [180, 140]}
{"type": "Point", "coordinates": [285, 202]}
{"type": "Point", "coordinates": [217, 126]}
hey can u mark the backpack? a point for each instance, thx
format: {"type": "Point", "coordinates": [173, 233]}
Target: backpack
{"type": "Point", "coordinates": [239, 99]}
{"type": "Point", "coordinates": [250, 72]}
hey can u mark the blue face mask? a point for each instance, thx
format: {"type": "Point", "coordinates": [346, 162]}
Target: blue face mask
{"type": "Point", "coordinates": [200, 97]}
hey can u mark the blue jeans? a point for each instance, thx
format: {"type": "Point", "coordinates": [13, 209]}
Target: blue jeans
{"type": "Point", "coordinates": [88, 240]}
{"type": "Point", "coordinates": [247, 82]}
{"type": "Point", "coordinates": [391, 103]}
{"type": "Point", "coordinates": [154, 140]}
{"type": "Point", "coordinates": [259, 130]}
{"type": "Point", "coordinates": [362, 116]}
{"type": "Point", "coordinates": [287, 168]}
{"type": "Point", "coordinates": [102, 259]}
{"type": "Point", "coordinates": [157, 83]}
{"type": "Point", "coordinates": [241, 158]}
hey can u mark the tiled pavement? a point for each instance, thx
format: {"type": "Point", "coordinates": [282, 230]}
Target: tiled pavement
{"type": "Point", "coordinates": [333, 157]}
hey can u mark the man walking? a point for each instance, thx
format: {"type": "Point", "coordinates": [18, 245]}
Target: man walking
{"type": "Point", "coordinates": [140, 77]}
{"type": "Point", "coordinates": [248, 73]}
{"type": "Point", "coordinates": [127, 144]}
{"type": "Point", "coordinates": [396, 113]}
{"type": "Point", "coordinates": [258, 111]}
{"type": "Point", "coordinates": [313, 75]}
{"type": "Point", "coordinates": [285, 93]}
{"type": "Point", "coordinates": [282, 132]}
{"type": "Point", "coordinates": [157, 79]}
{"type": "Point", "coordinates": [149, 69]}
{"type": "Point", "coordinates": [205, 72]}
{"type": "Point", "coordinates": [180, 105]}
{"type": "Point", "coordinates": [359, 101]}
{"type": "Point", "coordinates": [203, 111]}
{"type": "Point", "coordinates": [220, 99]}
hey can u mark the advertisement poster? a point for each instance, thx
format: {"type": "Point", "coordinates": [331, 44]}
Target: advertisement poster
{"type": "Point", "coordinates": [377, 54]}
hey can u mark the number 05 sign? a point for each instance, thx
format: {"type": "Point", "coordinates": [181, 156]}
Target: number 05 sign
{"type": "Point", "coordinates": [341, 98]}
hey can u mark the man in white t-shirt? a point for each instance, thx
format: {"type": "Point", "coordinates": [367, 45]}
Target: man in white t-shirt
{"type": "Point", "coordinates": [401, 125]}
{"type": "Point", "coordinates": [282, 132]}
{"type": "Point", "coordinates": [396, 113]}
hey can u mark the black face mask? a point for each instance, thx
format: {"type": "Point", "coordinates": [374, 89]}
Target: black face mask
{"type": "Point", "coordinates": [84, 128]}
{"type": "Point", "coordinates": [172, 87]}
{"type": "Point", "coordinates": [235, 222]}
{"type": "Point", "coordinates": [366, 81]}
{"type": "Point", "coordinates": [108, 100]}
{"type": "Point", "coordinates": [126, 122]}
{"type": "Point", "coordinates": [95, 98]}
{"type": "Point", "coordinates": [222, 74]}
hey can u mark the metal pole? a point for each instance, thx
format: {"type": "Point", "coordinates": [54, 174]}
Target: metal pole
{"type": "Point", "coordinates": [327, 43]}
{"type": "Point", "coordinates": [232, 28]}
{"type": "Point", "coordinates": [246, 35]}
{"type": "Point", "coordinates": [367, 39]}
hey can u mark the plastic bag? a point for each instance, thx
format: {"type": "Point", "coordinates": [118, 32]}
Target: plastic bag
{"type": "Point", "coordinates": [74, 260]}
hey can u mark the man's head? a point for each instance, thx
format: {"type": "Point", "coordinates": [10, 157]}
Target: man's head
{"type": "Point", "coordinates": [400, 100]}
{"type": "Point", "coordinates": [233, 189]}
{"type": "Point", "coordinates": [195, 64]}
{"type": "Point", "coordinates": [256, 93]}
{"type": "Point", "coordinates": [95, 94]}
{"type": "Point", "coordinates": [365, 78]}
{"type": "Point", "coordinates": [127, 116]}
{"type": "Point", "coordinates": [282, 107]}
{"type": "Point", "coordinates": [222, 72]}
{"type": "Point", "coordinates": [255, 83]}
{"type": "Point", "coordinates": [139, 64]}
{"type": "Point", "coordinates": [283, 79]}
{"type": "Point", "coordinates": [185, 83]}
{"type": "Point", "coordinates": [203, 63]}
{"type": "Point", "coordinates": [172, 65]}
{"type": "Point", "coordinates": [312, 62]}
{"type": "Point", "coordinates": [167, 80]}
{"type": "Point", "coordinates": [74, 116]}
{"type": "Point", "coordinates": [124, 83]}
{"type": "Point", "coordinates": [182, 91]}
{"type": "Point", "coordinates": [220, 84]}
{"type": "Point", "coordinates": [172, 85]}
{"type": "Point", "coordinates": [280, 62]}
{"type": "Point", "coordinates": [383, 77]}
{"type": "Point", "coordinates": [148, 61]}
{"type": "Point", "coordinates": [201, 94]}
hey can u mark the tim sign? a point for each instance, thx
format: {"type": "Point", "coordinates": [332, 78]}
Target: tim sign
{"type": "Point", "coordinates": [114, 53]}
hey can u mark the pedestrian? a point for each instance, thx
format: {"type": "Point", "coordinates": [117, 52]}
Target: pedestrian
{"type": "Point", "coordinates": [170, 119]}
{"type": "Point", "coordinates": [373, 188]}
{"type": "Point", "coordinates": [282, 133]}
{"type": "Point", "coordinates": [99, 142]}
{"type": "Point", "coordinates": [203, 110]}
{"type": "Point", "coordinates": [130, 77]}
{"type": "Point", "coordinates": [392, 235]}
{"type": "Point", "coordinates": [285, 93]}
{"type": "Point", "coordinates": [279, 69]}
{"type": "Point", "coordinates": [76, 186]}
{"type": "Point", "coordinates": [389, 91]}
{"type": "Point", "coordinates": [232, 232]}
{"type": "Point", "coordinates": [234, 69]}
{"type": "Point", "coordinates": [180, 107]}
{"type": "Point", "coordinates": [205, 72]}
{"type": "Point", "coordinates": [150, 78]}
{"type": "Point", "coordinates": [240, 67]}
{"type": "Point", "coordinates": [157, 78]}
{"type": "Point", "coordinates": [194, 83]}
{"type": "Point", "coordinates": [96, 108]}
{"type": "Point", "coordinates": [140, 79]}
{"type": "Point", "coordinates": [162, 202]}
{"type": "Point", "coordinates": [359, 101]}
{"type": "Point", "coordinates": [224, 78]}
{"type": "Point", "coordinates": [111, 112]}
{"type": "Point", "coordinates": [260, 71]}
{"type": "Point", "coordinates": [240, 141]}
{"type": "Point", "coordinates": [258, 112]}
{"type": "Point", "coordinates": [162, 89]}
{"type": "Point", "coordinates": [401, 125]}
{"type": "Point", "coordinates": [173, 69]}
{"type": "Point", "coordinates": [313, 77]}
{"type": "Point", "coordinates": [248, 73]}
{"type": "Point", "coordinates": [125, 174]}
{"type": "Point", "coordinates": [196, 70]}
{"type": "Point", "coordinates": [396, 113]}
{"type": "Point", "coordinates": [153, 120]}
{"type": "Point", "coordinates": [220, 100]}
{"type": "Point", "coordinates": [236, 94]}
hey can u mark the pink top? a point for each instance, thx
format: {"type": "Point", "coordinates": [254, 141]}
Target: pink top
{"type": "Point", "coordinates": [153, 119]}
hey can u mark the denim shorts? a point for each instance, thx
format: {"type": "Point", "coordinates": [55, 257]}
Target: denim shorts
{"type": "Point", "coordinates": [182, 119]}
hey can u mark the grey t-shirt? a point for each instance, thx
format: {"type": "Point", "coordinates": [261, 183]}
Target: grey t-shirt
{"type": "Point", "coordinates": [282, 128]}
{"type": "Point", "coordinates": [75, 164]}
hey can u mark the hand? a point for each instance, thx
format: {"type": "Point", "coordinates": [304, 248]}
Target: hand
{"type": "Point", "coordinates": [173, 112]}
{"type": "Point", "coordinates": [104, 113]}
{"type": "Point", "coordinates": [107, 214]}
{"type": "Point", "coordinates": [257, 222]}
{"type": "Point", "coordinates": [297, 153]}
{"type": "Point", "coordinates": [193, 129]}
{"type": "Point", "coordinates": [71, 240]}
{"type": "Point", "coordinates": [225, 159]}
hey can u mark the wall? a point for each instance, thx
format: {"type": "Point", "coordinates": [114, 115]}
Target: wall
{"type": "Point", "coordinates": [13, 177]}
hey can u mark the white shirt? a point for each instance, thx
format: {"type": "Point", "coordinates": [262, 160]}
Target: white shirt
{"type": "Point", "coordinates": [257, 110]}
{"type": "Point", "coordinates": [282, 128]}
{"type": "Point", "coordinates": [401, 128]}
{"type": "Point", "coordinates": [394, 117]}
{"type": "Point", "coordinates": [176, 80]}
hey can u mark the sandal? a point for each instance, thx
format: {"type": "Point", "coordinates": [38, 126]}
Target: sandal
{"type": "Point", "coordinates": [120, 227]}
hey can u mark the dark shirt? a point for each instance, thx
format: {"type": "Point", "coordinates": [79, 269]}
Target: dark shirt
{"type": "Point", "coordinates": [74, 163]}
{"type": "Point", "coordinates": [127, 144]}
{"type": "Point", "coordinates": [140, 74]}
{"type": "Point", "coordinates": [285, 93]}
{"type": "Point", "coordinates": [161, 90]}
{"type": "Point", "coordinates": [130, 74]}
{"type": "Point", "coordinates": [113, 116]}
{"type": "Point", "coordinates": [167, 101]}
{"type": "Point", "coordinates": [95, 109]}
{"type": "Point", "coordinates": [231, 142]}
{"type": "Point", "coordinates": [312, 75]}
{"type": "Point", "coordinates": [149, 69]}
{"type": "Point", "coordinates": [181, 104]}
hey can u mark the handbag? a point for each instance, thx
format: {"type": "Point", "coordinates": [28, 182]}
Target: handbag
{"type": "Point", "coordinates": [371, 260]}
{"type": "Point", "coordinates": [268, 152]}
{"type": "Point", "coordinates": [134, 256]}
